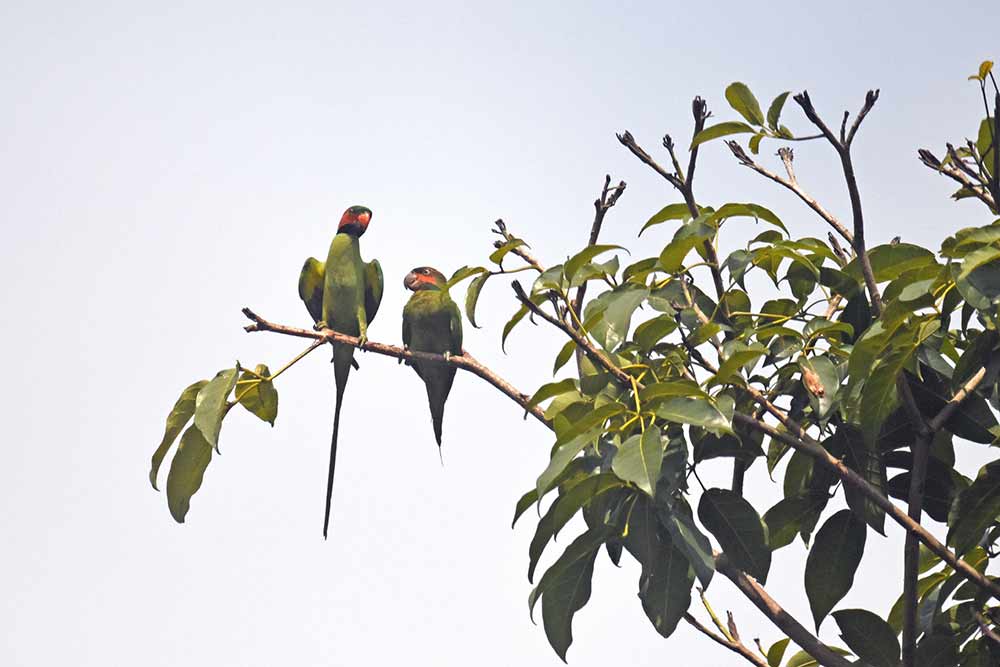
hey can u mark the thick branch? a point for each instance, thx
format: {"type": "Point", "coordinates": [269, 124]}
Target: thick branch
{"type": "Point", "coordinates": [802, 442]}
{"type": "Point", "coordinates": [464, 361]}
{"type": "Point", "coordinates": [792, 185]}
{"type": "Point", "coordinates": [774, 611]}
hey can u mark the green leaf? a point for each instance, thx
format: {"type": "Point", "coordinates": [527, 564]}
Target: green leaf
{"type": "Point", "coordinates": [572, 442]}
{"type": "Point", "coordinates": [568, 583]}
{"type": "Point", "coordinates": [668, 212]}
{"type": "Point", "coordinates": [878, 396]}
{"type": "Point", "coordinates": [666, 590]}
{"type": "Point", "coordinates": [472, 296]}
{"type": "Point", "coordinates": [547, 391]}
{"type": "Point", "coordinates": [686, 238]}
{"type": "Point", "coordinates": [774, 111]}
{"type": "Point", "coordinates": [720, 130]}
{"type": "Point", "coordinates": [785, 519]}
{"type": "Point", "coordinates": [870, 637]}
{"type": "Point", "coordinates": [526, 501]}
{"type": "Point", "coordinates": [463, 273]}
{"type": "Point", "coordinates": [738, 356]}
{"type": "Point", "coordinates": [639, 458]}
{"type": "Point", "coordinates": [743, 101]}
{"type": "Point", "coordinates": [686, 536]}
{"type": "Point", "coordinates": [669, 389]}
{"type": "Point", "coordinates": [936, 650]}
{"type": "Point", "coordinates": [862, 456]}
{"type": "Point", "coordinates": [981, 270]}
{"type": "Point", "coordinates": [777, 650]}
{"type": "Point", "coordinates": [564, 355]}
{"type": "Point", "coordinates": [552, 278]}
{"type": "Point", "coordinates": [179, 416]}
{"type": "Point", "coordinates": [211, 406]}
{"type": "Point", "coordinates": [755, 211]}
{"type": "Point", "coordinates": [511, 323]}
{"type": "Point", "coordinates": [891, 261]}
{"type": "Point", "coordinates": [651, 332]}
{"type": "Point", "coordinates": [975, 357]}
{"type": "Point", "coordinates": [187, 471]}
{"type": "Point", "coordinates": [497, 255]}
{"type": "Point", "coordinates": [832, 562]}
{"type": "Point", "coordinates": [259, 397]}
{"type": "Point", "coordinates": [973, 420]}
{"type": "Point", "coordinates": [739, 530]}
{"type": "Point", "coordinates": [574, 497]}
{"type": "Point", "coordinates": [975, 509]}
{"type": "Point", "coordinates": [620, 304]}
{"type": "Point", "coordinates": [695, 411]}
{"type": "Point", "coordinates": [574, 263]}
{"type": "Point", "coordinates": [803, 659]}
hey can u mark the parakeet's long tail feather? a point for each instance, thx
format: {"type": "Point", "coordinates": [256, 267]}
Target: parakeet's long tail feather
{"type": "Point", "coordinates": [438, 382]}
{"type": "Point", "coordinates": [342, 357]}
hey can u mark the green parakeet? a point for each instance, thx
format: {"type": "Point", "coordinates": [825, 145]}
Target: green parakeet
{"type": "Point", "coordinates": [432, 323]}
{"type": "Point", "coordinates": [343, 294]}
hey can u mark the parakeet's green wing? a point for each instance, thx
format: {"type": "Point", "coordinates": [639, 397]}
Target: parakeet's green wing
{"type": "Point", "coordinates": [311, 287]}
{"type": "Point", "coordinates": [373, 288]}
{"type": "Point", "coordinates": [455, 328]}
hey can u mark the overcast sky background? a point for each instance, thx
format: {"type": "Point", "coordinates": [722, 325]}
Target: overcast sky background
{"type": "Point", "coordinates": [164, 165]}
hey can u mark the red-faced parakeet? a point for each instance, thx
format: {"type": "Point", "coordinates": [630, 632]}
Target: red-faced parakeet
{"type": "Point", "coordinates": [432, 323]}
{"type": "Point", "coordinates": [342, 294]}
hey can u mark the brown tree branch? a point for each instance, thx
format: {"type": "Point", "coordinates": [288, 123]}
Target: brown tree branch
{"type": "Point", "coordinates": [465, 361]}
{"type": "Point", "coordinates": [800, 441]}
{"type": "Point", "coordinates": [792, 185]}
{"type": "Point", "coordinates": [582, 343]}
{"type": "Point", "coordinates": [736, 647]}
{"type": "Point", "coordinates": [929, 160]}
{"type": "Point", "coordinates": [843, 148]}
{"type": "Point", "coordinates": [985, 628]}
{"type": "Point", "coordinates": [505, 236]}
{"type": "Point", "coordinates": [777, 614]}
{"type": "Point", "coordinates": [609, 197]}
{"type": "Point", "coordinates": [797, 438]}
{"type": "Point", "coordinates": [685, 185]}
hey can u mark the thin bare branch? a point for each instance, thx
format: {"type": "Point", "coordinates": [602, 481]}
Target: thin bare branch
{"type": "Point", "coordinates": [465, 361]}
{"type": "Point", "coordinates": [582, 343]}
{"type": "Point", "coordinates": [929, 160]}
{"type": "Point", "coordinates": [830, 219]}
{"type": "Point", "coordinates": [736, 647]}
{"type": "Point", "coordinates": [520, 251]}
{"type": "Point", "coordinates": [985, 628]}
{"type": "Point", "coordinates": [843, 148]}
{"type": "Point", "coordinates": [604, 203]}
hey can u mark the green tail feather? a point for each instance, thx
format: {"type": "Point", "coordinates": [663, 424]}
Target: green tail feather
{"type": "Point", "coordinates": [343, 355]}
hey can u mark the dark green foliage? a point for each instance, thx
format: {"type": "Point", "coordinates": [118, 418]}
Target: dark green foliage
{"type": "Point", "coordinates": [675, 375]}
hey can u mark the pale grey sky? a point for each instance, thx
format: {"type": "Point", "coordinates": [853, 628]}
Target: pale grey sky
{"type": "Point", "coordinates": [165, 164]}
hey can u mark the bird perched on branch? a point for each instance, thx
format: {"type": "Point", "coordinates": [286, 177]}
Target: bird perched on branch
{"type": "Point", "coordinates": [432, 323]}
{"type": "Point", "coordinates": [342, 294]}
